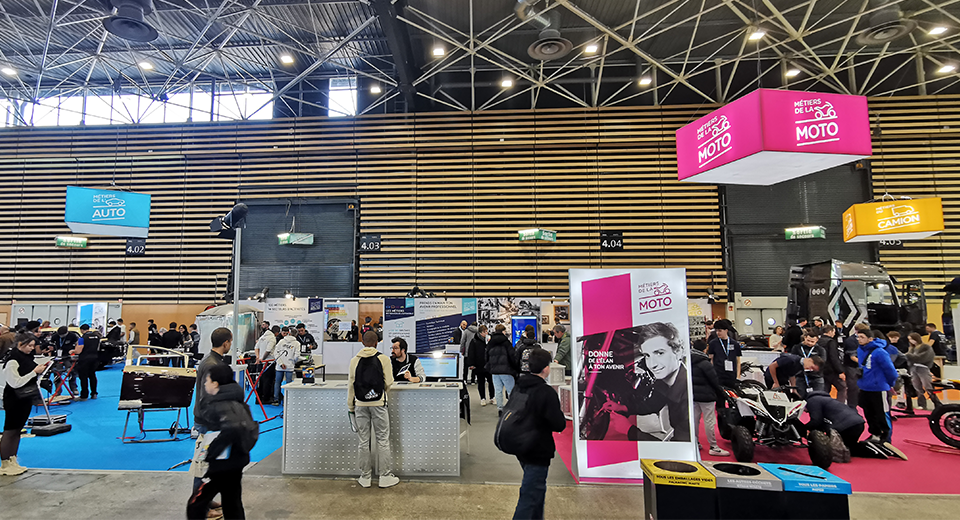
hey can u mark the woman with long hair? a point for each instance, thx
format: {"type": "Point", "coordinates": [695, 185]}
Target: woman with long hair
{"type": "Point", "coordinates": [19, 394]}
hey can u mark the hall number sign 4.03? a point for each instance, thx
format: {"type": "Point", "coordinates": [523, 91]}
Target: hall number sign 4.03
{"type": "Point", "coordinates": [369, 243]}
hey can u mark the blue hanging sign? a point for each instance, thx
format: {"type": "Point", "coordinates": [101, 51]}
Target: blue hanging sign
{"type": "Point", "coordinates": [107, 212]}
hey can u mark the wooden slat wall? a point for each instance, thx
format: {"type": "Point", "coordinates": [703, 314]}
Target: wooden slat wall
{"type": "Point", "coordinates": [447, 192]}
{"type": "Point", "coordinates": [916, 155]}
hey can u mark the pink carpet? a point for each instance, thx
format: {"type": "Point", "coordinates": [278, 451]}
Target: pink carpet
{"type": "Point", "coordinates": [926, 472]}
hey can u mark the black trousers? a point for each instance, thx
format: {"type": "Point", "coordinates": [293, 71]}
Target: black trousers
{"type": "Point", "coordinates": [87, 369]}
{"type": "Point", "coordinates": [853, 391]}
{"type": "Point", "coordinates": [228, 484]}
{"type": "Point", "coordinates": [483, 375]}
{"type": "Point", "coordinates": [874, 406]}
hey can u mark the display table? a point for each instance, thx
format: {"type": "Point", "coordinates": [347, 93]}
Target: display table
{"type": "Point", "coordinates": [424, 430]}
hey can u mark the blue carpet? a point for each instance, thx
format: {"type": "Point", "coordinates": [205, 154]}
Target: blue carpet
{"type": "Point", "coordinates": [94, 442]}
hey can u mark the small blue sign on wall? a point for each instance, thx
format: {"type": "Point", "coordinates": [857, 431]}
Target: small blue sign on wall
{"type": "Point", "coordinates": [107, 212]}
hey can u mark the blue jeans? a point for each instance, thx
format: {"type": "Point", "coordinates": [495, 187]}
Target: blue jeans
{"type": "Point", "coordinates": [501, 381]}
{"type": "Point", "coordinates": [533, 492]}
{"type": "Point", "coordinates": [279, 380]}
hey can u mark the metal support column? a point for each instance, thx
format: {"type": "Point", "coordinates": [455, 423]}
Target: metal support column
{"type": "Point", "coordinates": [236, 293]}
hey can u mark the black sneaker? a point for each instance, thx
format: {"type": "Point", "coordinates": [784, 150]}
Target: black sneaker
{"type": "Point", "coordinates": [94, 396]}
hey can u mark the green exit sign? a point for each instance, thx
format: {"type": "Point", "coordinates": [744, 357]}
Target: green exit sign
{"type": "Point", "coordinates": [546, 235]}
{"type": "Point", "coordinates": [801, 233]}
{"type": "Point", "coordinates": [70, 241]}
{"type": "Point", "coordinates": [296, 239]}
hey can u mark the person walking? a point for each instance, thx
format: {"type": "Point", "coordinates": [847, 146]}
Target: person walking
{"type": "Point", "coordinates": [501, 364]}
{"type": "Point", "coordinates": [878, 378]}
{"type": "Point", "coordinates": [220, 340]}
{"type": "Point", "coordinates": [87, 353]}
{"type": "Point", "coordinates": [477, 360]}
{"type": "Point", "coordinates": [546, 416]}
{"type": "Point", "coordinates": [369, 381]}
{"type": "Point", "coordinates": [725, 353]}
{"type": "Point", "coordinates": [228, 452]}
{"type": "Point", "coordinates": [20, 393]}
{"type": "Point", "coordinates": [706, 392]}
{"type": "Point", "coordinates": [526, 343]}
{"type": "Point", "coordinates": [133, 337]}
{"type": "Point", "coordinates": [833, 373]}
{"type": "Point", "coordinates": [564, 352]}
{"type": "Point", "coordinates": [286, 353]}
{"type": "Point", "coordinates": [465, 338]}
{"type": "Point", "coordinates": [921, 357]}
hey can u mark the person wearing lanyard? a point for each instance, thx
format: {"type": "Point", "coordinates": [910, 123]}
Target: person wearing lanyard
{"type": "Point", "coordinates": [725, 353]}
{"type": "Point", "coordinates": [806, 349]}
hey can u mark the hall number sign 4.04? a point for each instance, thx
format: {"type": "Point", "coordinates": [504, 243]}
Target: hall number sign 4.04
{"type": "Point", "coordinates": [611, 241]}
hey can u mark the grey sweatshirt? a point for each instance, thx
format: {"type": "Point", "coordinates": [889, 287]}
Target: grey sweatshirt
{"type": "Point", "coordinates": [922, 354]}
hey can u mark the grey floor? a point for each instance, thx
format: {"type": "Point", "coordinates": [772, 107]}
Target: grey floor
{"type": "Point", "coordinates": [487, 489]}
{"type": "Point", "coordinates": [484, 464]}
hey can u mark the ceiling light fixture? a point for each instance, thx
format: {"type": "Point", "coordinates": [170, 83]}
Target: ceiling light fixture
{"type": "Point", "coordinates": [645, 81]}
{"type": "Point", "coordinates": [286, 59]}
{"type": "Point", "coordinates": [947, 69]}
{"type": "Point", "coordinates": [8, 71]}
{"type": "Point", "coordinates": [506, 83]}
{"type": "Point", "coordinates": [375, 89]}
{"type": "Point", "coordinates": [145, 65]}
{"type": "Point", "coordinates": [937, 30]}
{"type": "Point", "coordinates": [793, 72]}
{"type": "Point", "coordinates": [591, 49]}
{"type": "Point", "coordinates": [439, 51]}
{"type": "Point", "coordinates": [757, 34]}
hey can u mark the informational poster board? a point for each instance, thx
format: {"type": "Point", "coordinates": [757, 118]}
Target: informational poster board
{"type": "Point", "coordinates": [93, 314]}
{"type": "Point", "coordinates": [699, 311]}
{"type": "Point", "coordinates": [501, 310]}
{"type": "Point", "coordinates": [340, 314]}
{"type": "Point", "coordinates": [287, 312]}
{"type": "Point", "coordinates": [633, 393]}
{"type": "Point", "coordinates": [426, 324]}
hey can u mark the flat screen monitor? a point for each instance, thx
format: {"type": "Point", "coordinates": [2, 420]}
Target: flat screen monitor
{"type": "Point", "coordinates": [447, 366]}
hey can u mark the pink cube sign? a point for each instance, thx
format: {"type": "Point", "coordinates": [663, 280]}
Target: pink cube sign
{"type": "Point", "coordinates": [770, 136]}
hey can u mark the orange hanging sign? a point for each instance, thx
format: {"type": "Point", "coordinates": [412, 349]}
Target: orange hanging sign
{"type": "Point", "coordinates": [902, 219]}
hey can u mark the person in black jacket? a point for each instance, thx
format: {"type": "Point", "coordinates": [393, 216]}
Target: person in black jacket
{"type": "Point", "coordinates": [851, 365]}
{"type": "Point", "coordinates": [706, 392]}
{"type": "Point", "coordinates": [794, 334]}
{"type": "Point", "coordinates": [477, 361]}
{"type": "Point", "coordinates": [827, 413]}
{"type": "Point", "coordinates": [87, 352]}
{"type": "Point", "coordinates": [501, 364]}
{"type": "Point", "coordinates": [543, 403]}
{"type": "Point", "coordinates": [229, 451]}
{"type": "Point", "coordinates": [523, 347]}
{"type": "Point", "coordinates": [833, 375]}
{"type": "Point", "coordinates": [808, 348]}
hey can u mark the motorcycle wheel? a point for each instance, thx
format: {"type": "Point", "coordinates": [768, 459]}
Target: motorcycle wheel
{"type": "Point", "coordinates": [742, 443]}
{"type": "Point", "coordinates": [945, 424]}
{"type": "Point", "coordinates": [818, 446]}
{"type": "Point", "coordinates": [751, 383]}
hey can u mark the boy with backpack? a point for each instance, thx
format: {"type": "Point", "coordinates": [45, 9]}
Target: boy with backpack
{"type": "Point", "coordinates": [232, 434]}
{"type": "Point", "coordinates": [526, 429]}
{"type": "Point", "coordinates": [370, 378]}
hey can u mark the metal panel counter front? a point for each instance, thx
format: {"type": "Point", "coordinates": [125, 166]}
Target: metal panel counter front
{"type": "Point", "coordinates": [424, 430]}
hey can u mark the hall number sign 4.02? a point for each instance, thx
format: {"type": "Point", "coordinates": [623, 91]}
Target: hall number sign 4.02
{"type": "Point", "coordinates": [611, 241]}
{"type": "Point", "coordinates": [136, 247]}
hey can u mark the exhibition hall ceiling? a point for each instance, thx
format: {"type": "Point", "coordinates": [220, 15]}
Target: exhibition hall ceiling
{"type": "Point", "coordinates": [481, 54]}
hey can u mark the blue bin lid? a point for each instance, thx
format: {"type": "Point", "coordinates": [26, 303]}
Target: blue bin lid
{"type": "Point", "coordinates": [810, 479]}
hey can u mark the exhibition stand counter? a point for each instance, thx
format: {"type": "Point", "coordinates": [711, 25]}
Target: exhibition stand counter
{"type": "Point", "coordinates": [424, 429]}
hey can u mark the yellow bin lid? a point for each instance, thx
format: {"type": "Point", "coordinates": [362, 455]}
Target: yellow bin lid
{"type": "Point", "coordinates": [678, 473]}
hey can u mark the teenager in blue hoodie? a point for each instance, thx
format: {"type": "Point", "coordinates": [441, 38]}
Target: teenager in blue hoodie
{"type": "Point", "coordinates": [878, 378]}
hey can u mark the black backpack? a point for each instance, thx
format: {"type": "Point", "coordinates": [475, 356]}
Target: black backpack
{"type": "Point", "coordinates": [368, 385]}
{"type": "Point", "coordinates": [516, 432]}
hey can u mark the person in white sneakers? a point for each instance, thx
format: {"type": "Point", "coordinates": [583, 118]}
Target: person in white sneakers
{"type": "Point", "coordinates": [706, 392]}
{"type": "Point", "coordinates": [20, 372]}
{"type": "Point", "coordinates": [369, 380]}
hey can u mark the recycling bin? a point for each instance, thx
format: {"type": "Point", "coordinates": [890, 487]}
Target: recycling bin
{"type": "Point", "coordinates": [798, 484]}
{"type": "Point", "coordinates": [746, 491]}
{"type": "Point", "coordinates": [675, 489]}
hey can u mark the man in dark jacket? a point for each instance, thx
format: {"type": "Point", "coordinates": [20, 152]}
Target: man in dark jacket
{"type": "Point", "coordinates": [706, 392]}
{"type": "Point", "coordinates": [542, 403]}
{"type": "Point", "coordinates": [826, 413]}
{"type": "Point", "coordinates": [477, 361]}
{"type": "Point", "coordinates": [808, 348]}
{"type": "Point", "coordinates": [523, 347]}
{"type": "Point", "coordinates": [220, 339]}
{"type": "Point", "coordinates": [228, 452]}
{"type": "Point", "coordinates": [501, 364]}
{"type": "Point", "coordinates": [724, 352]}
{"type": "Point", "coordinates": [794, 333]}
{"type": "Point", "coordinates": [851, 365]}
{"type": "Point", "coordinates": [833, 376]}
{"type": "Point", "coordinates": [172, 339]}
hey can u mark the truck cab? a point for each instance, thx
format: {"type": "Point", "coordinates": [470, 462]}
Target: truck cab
{"type": "Point", "coordinates": [854, 292]}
